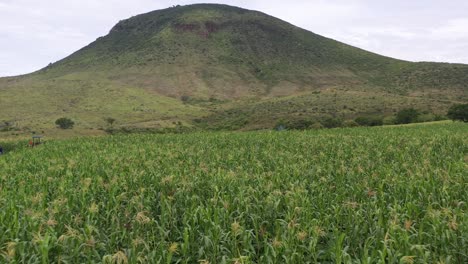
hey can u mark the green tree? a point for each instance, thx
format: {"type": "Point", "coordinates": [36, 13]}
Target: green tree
{"type": "Point", "coordinates": [458, 112]}
{"type": "Point", "coordinates": [297, 124]}
{"type": "Point", "coordinates": [369, 121]}
{"type": "Point", "coordinates": [65, 123]}
{"type": "Point", "coordinates": [350, 123]}
{"type": "Point", "coordinates": [332, 122]}
{"type": "Point", "coordinates": [110, 121]}
{"type": "Point", "coordinates": [407, 116]}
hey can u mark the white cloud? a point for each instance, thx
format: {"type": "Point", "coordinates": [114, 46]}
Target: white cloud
{"type": "Point", "coordinates": [455, 28]}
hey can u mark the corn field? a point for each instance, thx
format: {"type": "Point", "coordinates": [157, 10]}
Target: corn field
{"type": "Point", "coordinates": [365, 195]}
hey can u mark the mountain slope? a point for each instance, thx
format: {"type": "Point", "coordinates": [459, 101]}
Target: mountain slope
{"type": "Point", "coordinates": [215, 58]}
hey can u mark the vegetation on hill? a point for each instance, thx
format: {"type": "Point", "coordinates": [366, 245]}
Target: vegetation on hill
{"type": "Point", "coordinates": [370, 195]}
{"type": "Point", "coordinates": [458, 112]}
{"type": "Point", "coordinates": [65, 123]}
{"type": "Point", "coordinates": [407, 116]}
{"type": "Point", "coordinates": [201, 62]}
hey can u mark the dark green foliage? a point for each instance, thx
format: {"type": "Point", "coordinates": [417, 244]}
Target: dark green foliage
{"type": "Point", "coordinates": [407, 116]}
{"type": "Point", "coordinates": [350, 123]}
{"type": "Point", "coordinates": [297, 124]}
{"type": "Point", "coordinates": [369, 121]}
{"type": "Point", "coordinates": [332, 122]}
{"type": "Point", "coordinates": [12, 145]}
{"type": "Point", "coordinates": [425, 117]}
{"type": "Point", "coordinates": [230, 119]}
{"type": "Point", "coordinates": [180, 129]}
{"type": "Point", "coordinates": [389, 120]}
{"type": "Point", "coordinates": [65, 123]}
{"type": "Point", "coordinates": [316, 126]}
{"type": "Point", "coordinates": [110, 121]}
{"type": "Point", "coordinates": [439, 117]}
{"type": "Point", "coordinates": [458, 112]}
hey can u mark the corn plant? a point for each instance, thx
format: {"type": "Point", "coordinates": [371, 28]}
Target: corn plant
{"type": "Point", "coordinates": [365, 195]}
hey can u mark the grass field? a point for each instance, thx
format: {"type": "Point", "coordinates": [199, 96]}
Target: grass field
{"type": "Point", "coordinates": [365, 195]}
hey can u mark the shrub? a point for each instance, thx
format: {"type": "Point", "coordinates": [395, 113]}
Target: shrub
{"type": "Point", "coordinates": [458, 112]}
{"type": "Point", "coordinates": [332, 122]}
{"type": "Point", "coordinates": [350, 123]}
{"type": "Point", "coordinates": [316, 125]}
{"type": "Point", "coordinates": [407, 116]}
{"type": "Point", "coordinates": [110, 121]}
{"type": "Point", "coordinates": [439, 118]}
{"type": "Point", "coordinates": [389, 120]}
{"type": "Point", "coordinates": [369, 121]}
{"type": "Point", "coordinates": [65, 123]}
{"type": "Point", "coordinates": [298, 124]}
{"type": "Point", "coordinates": [425, 118]}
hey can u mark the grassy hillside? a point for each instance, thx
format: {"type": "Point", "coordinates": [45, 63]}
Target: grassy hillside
{"type": "Point", "coordinates": [88, 98]}
{"type": "Point", "coordinates": [139, 72]}
{"type": "Point", "coordinates": [366, 195]}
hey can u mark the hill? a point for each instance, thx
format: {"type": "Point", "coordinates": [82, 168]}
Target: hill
{"type": "Point", "coordinates": [219, 66]}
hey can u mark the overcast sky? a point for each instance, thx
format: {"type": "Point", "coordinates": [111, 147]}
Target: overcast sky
{"type": "Point", "coordinates": [34, 33]}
